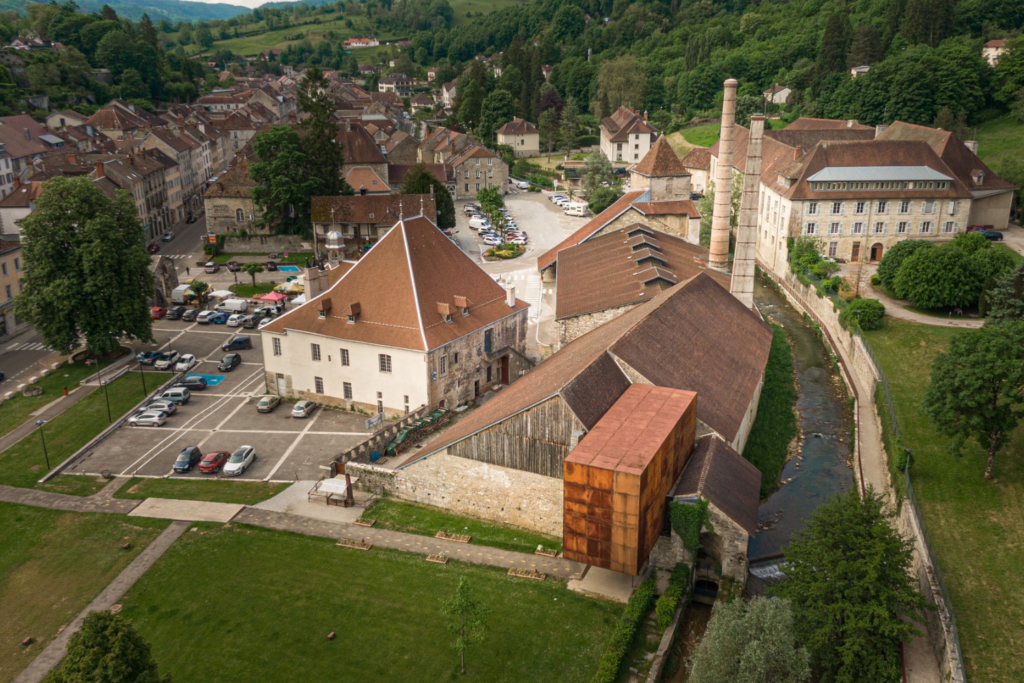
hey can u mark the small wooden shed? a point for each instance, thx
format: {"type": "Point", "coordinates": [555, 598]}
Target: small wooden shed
{"type": "Point", "coordinates": [618, 476]}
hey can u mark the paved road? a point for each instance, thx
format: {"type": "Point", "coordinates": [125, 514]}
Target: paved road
{"type": "Point", "coordinates": [19, 356]}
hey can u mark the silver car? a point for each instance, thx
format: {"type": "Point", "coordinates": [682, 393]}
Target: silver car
{"type": "Point", "coordinates": [166, 361]}
{"type": "Point", "coordinates": [303, 409]}
{"type": "Point", "coordinates": [168, 407]}
{"type": "Point", "coordinates": [239, 461]}
{"type": "Point", "coordinates": [152, 418]}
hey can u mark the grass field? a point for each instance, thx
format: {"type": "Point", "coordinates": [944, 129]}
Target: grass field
{"type": "Point", "coordinates": [20, 408]}
{"type": "Point", "coordinates": [240, 603]}
{"type": "Point", "coordinates": [217, 491]}
{"type": "Point", "coordinates": [680, 145]}
{"type": "Point", "coordinates": [460, 7]}
{"type": "Point", "coordinates": [976, 527]}
{"type": "Point", "coordinates": [52, 564]}
{"type": "Point", "coordinates": [707, 135]}
{"type": "Point", "coordinates": [24, 463]}
{"type": "Point", "coordinates": [427, 521]}
{"type": "Point", "coordinates": [999, 139]}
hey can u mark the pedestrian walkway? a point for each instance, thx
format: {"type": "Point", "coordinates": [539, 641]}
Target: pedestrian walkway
{"type": "Point", "coordinates": [413, 543]}
{"type": "Point", "coordinates": [48, 413]}
{"type": "Point", "coordinates": [55, 651]}
{"type": "Point", "coordinates": [27, 346]}
{"type": "Point", "coordinates": [898, 309]}
{"type": "Point", "coordinates": [101, 502]}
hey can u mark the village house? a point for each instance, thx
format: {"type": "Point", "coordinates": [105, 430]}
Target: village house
{"type": "Point", "coordinates": [18, 204]}
{"type": "Point", "coordinates": [399, 84]}
{"type": "Point", "coordinates": [777, 94]}
{"type": "Point", "coordinates": [993, 50]}
{"type": "Point", "coordinates": [361, 42]}
{"type": "Point", "coordinates": [698, 163]}
{"type": "Point", "coordinates": [414, 323]}
{"type": "Point", "coordinates": [400, 148]}
{"type": "Point", "coordinates": [522, 136]}
{"type": "Point", "coordinates": [361, 150]}
{"type": "Point", "coordinates": [626, 137]}
{"type": "Point", "coordinates": [448, 94]}
{"type": "Point", "coordinates": [360, 221]}
{"type": "Point", "coordinates": [230, 208]}
{"type": "Point", "coordinates": [10, 286]}
{"type": "Point", "coordinates": [420, 102]}
{"type": "Point", "coordinates": [478, 168]}
{"type": "Point", "coordinates": [66, 117]}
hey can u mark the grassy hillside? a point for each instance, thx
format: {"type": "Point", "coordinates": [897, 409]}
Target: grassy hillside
{"type": "Point", "coordinates": [999, 139]}
{"type": "Point", "coordinates": [460, 7]}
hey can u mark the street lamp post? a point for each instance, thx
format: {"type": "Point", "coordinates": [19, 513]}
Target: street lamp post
{"type": "Point", "coordinates": [99, 374]}
{"type": "Point", "coordinates": [40, 423]}
{"type": "Point", "coordinates": [142, 373]}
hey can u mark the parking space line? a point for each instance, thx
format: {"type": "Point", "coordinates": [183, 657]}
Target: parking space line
{"type": "Point", "coordinates": [294, 444]}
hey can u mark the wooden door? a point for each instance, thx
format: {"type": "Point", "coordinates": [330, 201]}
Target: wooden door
{"type": "Point", "coordinates": [855, 255]}
{"type": "Point", "coordinates": [504, 370]}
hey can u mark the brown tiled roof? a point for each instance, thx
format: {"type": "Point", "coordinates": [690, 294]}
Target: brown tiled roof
{"type": "Point", "coordinates": [372, 209]}
{"type": "Point", "coordinates": [996, 43]}
{"type": "Point", "coordinates": [12, 134]}
{"type": "Point", "coordinates": [695, 336]}
{"type": "Point", "coordinates": [22, 197]}
{"type": "Point", "coordinates": [668, 207]}
{"type": "Point", "coordinates": [234, 183]}
{"type": "Point", "coordinates": [360, 147]}
{"type": "Point", "coordinates": [398, 285]}
{"type": "Point", "coordinates": [599, 221]}
{"type": "Point", "coordinates": [623, 123]}
{"type": "Point", "coordinates": [397, 172]}
{"type": "Point", "coordinates": [7, 246]}
{"type": "Point", "coordinates": [805, 123]}
{"type": "Point", "coordinates": [608, 271]}
{"type": "Point", "coordinates": [699, 158]}
{"type": "Point", "coordinates": [114, 118]}
{"type": "Point", "coordinates": [660, 161]}
{"type": "Point", "coordinates": [517, 126]}
{"type": "Point", "coordinates": [361, 177]}
{"type": "Point", "coordinates": [724, 478]}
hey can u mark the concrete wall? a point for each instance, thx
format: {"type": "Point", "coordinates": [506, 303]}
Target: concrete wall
{"type": "Point", "coordinates": [266, 244]}
{"type": "Point", "coordinates": [476, 489]}
{"type": "Point", "coordinates": [994, 211]}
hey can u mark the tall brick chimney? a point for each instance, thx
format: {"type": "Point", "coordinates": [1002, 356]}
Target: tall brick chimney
{"type": "Point", "coordinates": [719, 256]}
{"type": "Point", "coordinates": [742, 283]}
{"type": "Point", "coordinates": [99, 170]}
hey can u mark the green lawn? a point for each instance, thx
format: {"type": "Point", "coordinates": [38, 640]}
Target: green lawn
{"type": "Point", "coordinates": [460, 7]}
{"type": "Point", "coordinates": [1017, 258]}
{"type": "Point", "coordinates": [702, 136]}
{"type": "Point", "coordinates": [999, 139]}
{"type": "Point", "coordinates": [298, 259]}
{"type": "Point", "coordinates": [216, 490]}
{"type": "Point", "coordinates": [23, 463]}
{"type": "Point", "coordinates": [240, 603]}
{"type": "Point", "coordinates": [427, 521]}
{"type": "Point", "coordinates": [976, 527]}
{"type": "Point", "coordinates": [52, 564]}
{"type": "Point", "coordinates": [248, 290]}
{"type": "Point", "coordinates": [20, 408]}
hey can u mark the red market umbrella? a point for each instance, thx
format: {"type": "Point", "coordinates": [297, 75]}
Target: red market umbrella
{"type": "Point", "coordinates": [273, 296]}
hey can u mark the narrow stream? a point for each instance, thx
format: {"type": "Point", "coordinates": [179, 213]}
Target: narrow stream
{"type": "Point", "coordinates": [820, 469]}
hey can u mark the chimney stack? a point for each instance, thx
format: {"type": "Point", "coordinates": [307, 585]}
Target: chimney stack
{"type": "Point", "coordinates": [880, 128]}
{"type": "Point", "coordinates": [742, 283]}
{"type": "Point", "coordinates": [971, 145]}
{"type": "Point", "coordinates": [99, 170]}
{"type": "Point", "coordinates": [797, 152]}
{"type": "Point", "coordinates": [719, 256]}
{"type": "Point", "coordinates": [510, 296]}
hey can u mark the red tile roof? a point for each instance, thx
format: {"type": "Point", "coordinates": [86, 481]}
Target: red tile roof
{"type": "Point", "coordinates": [699, 158]}
{"type": "Point", "coordinates": [517, 126]}
{"type": "Point", "coordinates": [660, 161]}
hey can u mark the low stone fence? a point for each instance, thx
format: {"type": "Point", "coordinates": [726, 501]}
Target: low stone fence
{"type": "Point", "coordinates": [265, 244]}
{"type": "Point", "coordinates": [377, 442]}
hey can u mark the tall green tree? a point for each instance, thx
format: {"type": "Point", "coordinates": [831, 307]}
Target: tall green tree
{"type": "Point", "coordinates": [834, 44]}
{"type": "Point", "coordinates": [977, 388]}
{"type": "Point", "coordinates": [849, 577]}
{"type": "Point", "coordinates": [107, 649]}
{"type": "Point", "coordinates": [465, 616]}
{"type": "Point", "coordinates": [419, 180]}
{"type": "Point", "coordinates": [750, 643]}
{"type": "Point", "coordinates": [621, 82]}
{"type": "Point", "coordinates": [570, 127]}
{"type": "Point", "coordinates": [86, 268]}
{"type": "Point", "coordinates": [567, 23]}
{"type": "Point", "coordinates": [497, 109]}
{"type": "Point", "coordinates": [285, 184]}
{"type": "Point", "coordinates": [325, 155]}
{"type": "Point", "coordinates": [597, 170]}
{"type": "Point", "coordinates": [549, 128]}
{"type": "Point", "coordinates": [1006, 299]}
{"type": "Point", "coordinates": [469, 103]}
{"type": "Point", "coordinates": [252, 269]}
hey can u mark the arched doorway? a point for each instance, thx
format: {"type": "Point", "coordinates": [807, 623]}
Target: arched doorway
{"type": "Point", "coordinates": [876, 251]}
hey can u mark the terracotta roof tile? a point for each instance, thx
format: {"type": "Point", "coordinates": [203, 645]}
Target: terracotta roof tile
{"type": "Point", "coordinates": [725, 478]}
{"type": "Point", "coordinates": [371, 209]}
{"type": "Point", "coordinates": [699, 158]}
{"type": "Point", "coordinates": [517, 126]}
{"type": "Point", "coordinates": [660, 161]}
{"type": "Point", "coordinates": [362, 177]}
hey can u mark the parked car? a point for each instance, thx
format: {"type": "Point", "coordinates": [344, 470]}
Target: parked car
{"type": "Point", "coordinates": [190, 315]}
{"type": "Point", "coordinates": [192, 382]}
{"type": "Point", "coordinates": [267, 403]}
{"type": "Point", "coordinates": [204, 317]}
{"type": "Point", "coordinates": [303, 409]}
{"type": "Point", "coordinates": [251, 321]}
{"type": "Point", "coordinates": [470, 208]}
{"type": "Point", "coordinates": [153, 248]}
{"type": "Point", "coordinates": [270, 266]}
{"type": "Point", "coordinates": [175, 312]}
{"type": "Point", "coordinates": [492, 241]}
{"type": "Point", "coordinates": [150, 418]}
{"type": "Point", "coordinates": [179, 395]}
{"type": "Point", "coordinates": [521, 241]}
{"type": "Point", "coordinates": [235, 320]}
{"type": "Point", "coordinates": [185, 363]}
{"type": "Point", "coordinates": [166, 361]}
{"type": "Point", "coordinates": [187, 459]}
{"type": "Point", "coordinates": [229, 362]}
{"type": "Point", "coordinates": [236, 343]}
{"type": "Point", "coordinates": [987, 234]}
{"type": "Point", "coordinates": [211, 267]}
{"type": "Point", "coordinates": [213, 461]}
{"type": "Point", "coordinates": [264, 323]}
{"type": "Point", "coordinates": [234, 266]}
{"type": "Point", "coordinates": [148, 357]}
{"type": "Point", "coordinates": [523, 185]}
{"type": "Point", "coordinates": [219, 318]}
{"type": "Point", "coordinates": [168, 236]}
{"type": "Point", "coordinates": [169, 407]}
{"type": "Point", "coordinates": [239, 461]}
{"type": "Point", "coordinates": [157, 312]}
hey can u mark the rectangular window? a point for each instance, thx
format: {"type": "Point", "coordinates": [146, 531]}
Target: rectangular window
{"type": "Point", "coordinates": [318, 382]}
{"type": "Point", "coordinates": [879, 228]}
{"type": "Point", "coordinates": [928, 207]}
{"type": "Point", "coordinates": [344, 357]}
{"type": "Point", "coordinates": [901, 228]}
{"type": "Point", "coordinates": [315, 348]}
{"type": "Point", "coordinates": [926, 227]}
{"type": "Point", "coordinates": [9, 295]}
{"type": "Point", "coordinates": [835, 228]}
{"type": "Point", "coordinates": [860, 207]}
{"type": "Point", "coordinates": [952, 210]}
{"type": "Point", "coordinates": [444, 366]}
{"type": "Point", "coordinates": [277, 346]}
{"type": "Point", "coordinates": [478, 187]}
{"type": "Point", "coordinates": [949, 226]}
{"type": "Point", "coordinates": [17, 262]}
{"type": "Point", "coordinates": [882, 207]}
{"type": "Point", "coordinates": [455, 360]}
{"type": "Point", "coordinates": [906, 206]}
{"type": "Point", "coordinates": [384, 360]}
{"type": "Point", "coordinates": [837, 208]}
{"type": "Point", "coordinates": [833, 249]}
{"type": "Point", "coordinates": [811, 229]}
{"type": "Point", "coordinates": [858, 228]}
{"type": "Point", "coordinates": [347, 388]}
{"type": "Point", "coordinates": [812, 208]}
{"type": "Point", "coordinates": [487, 340]}
{"type": "Point", "coordinates": [4, 268]}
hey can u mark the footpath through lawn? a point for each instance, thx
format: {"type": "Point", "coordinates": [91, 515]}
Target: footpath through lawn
{"type": "Point", "coordinates": [976, 527]}
{"type": "Point", "coordinates": [24, 463]}
{"type": "Point", "coordinates": [212, 490]}
{"type": "Point", "coordinates": [52, 564]}
{"type": "Point", "coordinates": [19, 409]}
{"type": "Point", "coordinates": [238, 603]}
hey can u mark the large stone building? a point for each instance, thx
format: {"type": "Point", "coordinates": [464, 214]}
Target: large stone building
{"type": "Point", "coordinates": [626, 137]}
{"type": "Point", "coordinates": [522, 136]}
{"type": "Point", "coordinates": [476, 169]}
{"type": "Point", "coordinates": [414, 322]}
{"type": "Point", "coordinates": [230, 208]}
{"type": "Point", "coordinates": [361, 221]}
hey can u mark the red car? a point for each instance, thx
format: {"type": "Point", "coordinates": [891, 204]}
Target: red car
{"type": "Point", "coordinates": [153, 248]}
{"type": "Point", "coordinates": [157, 312]}
{"type": "Point", "coordinates": [213, 462]}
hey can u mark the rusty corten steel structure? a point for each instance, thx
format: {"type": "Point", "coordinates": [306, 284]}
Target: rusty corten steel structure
{"type": "Point", "coordinates": [617, 478]}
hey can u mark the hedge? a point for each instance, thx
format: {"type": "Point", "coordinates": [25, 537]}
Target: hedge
{"type": "Point", "coordinates": [669, 601]}
{"type": "Point", "coordinates": [622, 637]}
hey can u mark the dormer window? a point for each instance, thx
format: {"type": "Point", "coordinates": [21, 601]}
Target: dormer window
{"type": "Point", "coordinates": [446, 312]}
{"type": "Point", "coordinates": [352, 313]}
{"type": "Point", "coordinates": [978, 177]}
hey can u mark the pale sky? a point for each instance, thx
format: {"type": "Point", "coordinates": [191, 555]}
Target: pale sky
{"type": "Point", "coordinates": [251, 4]}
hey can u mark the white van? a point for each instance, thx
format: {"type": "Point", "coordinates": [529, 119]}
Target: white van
{"type": "Point", "coordinates": [182, 294]}
{"type": "Point", "coordinates": [576, 209]}
{"type": "Point", "coordinates": [477, 222]}
{"type": "Point", "coordinates": [179, 395]}
{"type": "Point", "coordinates": [232, 306]}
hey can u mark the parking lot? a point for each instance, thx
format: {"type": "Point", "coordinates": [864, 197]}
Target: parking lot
{"type": "Point", "coordinates": [223, 417]}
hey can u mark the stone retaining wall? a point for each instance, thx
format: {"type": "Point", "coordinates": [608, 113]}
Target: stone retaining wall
{"type": "Point", "coordinates": [266, 244]}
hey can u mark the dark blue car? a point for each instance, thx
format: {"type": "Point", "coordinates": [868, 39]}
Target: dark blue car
{"type": "Point", "coordinates": [219, 318]}
{"type": "Point", "coordinates": [148, 357]}
{"type": "Point", "coordinates": [187, 459]}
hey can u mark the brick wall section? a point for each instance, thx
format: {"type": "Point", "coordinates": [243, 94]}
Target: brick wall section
{"type": "Point", "coordinates": [476, 489]}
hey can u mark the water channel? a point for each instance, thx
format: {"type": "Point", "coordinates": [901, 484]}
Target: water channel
{"type": "Point", "coordinates": [820, 468]}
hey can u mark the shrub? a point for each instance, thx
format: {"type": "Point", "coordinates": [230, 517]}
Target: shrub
{"type": "Point", "coordinates": [540, 179]}
{"type": "Point", "coordinates": [875, 280]}
{"type": "Point", "coordinates": [622, 637]}
{"type": "Point", "coordinates": [894, 258]}
{"type": "Point", "coordinates": [970, 243]}
{"type": "Point", "coordinates": [587, 140]}
{"type": "Point", "coordinates": [673, 595]}
{"type": "Point", "coordinates": [943, 277]}
{"type": "Point", "coordinates": [601, 199]}
{"type": "Point", "coordinates": [865, 314]}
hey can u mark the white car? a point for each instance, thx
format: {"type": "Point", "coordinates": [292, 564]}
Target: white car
{"type": "Point", "coordinates": [239, 461]}
{"type": "Point", "coordinates": [556, 197]}
{"type": "Point", "coordinates": [185, 363]}
{"type": "Point", "coordinates": [166, 361]}
{"type": "Point", "coordinates": [150, 418]}
{"type": "Point", "coordinates": [521, 241]}
{"type": "Point", "coordinates": [303, 409]}
{"type": "Point", "coordinates": [523, 185]}
{"type": "Point", "coordinates": [562, 203]}
{"type": "Point", "coordinates": [235, 320]}
{"type": "Point", "coordinates": [492, 241]}
{"type": "Point", "coordinates": [204, 317]}
{"type": "Point", "coordinates": [169, 407]}
{"type": "Point", "coordinates": [264, 323]}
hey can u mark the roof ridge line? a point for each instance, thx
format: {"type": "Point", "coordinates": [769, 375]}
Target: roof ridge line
{"type": "Point", "coordinates": [412, 279]}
